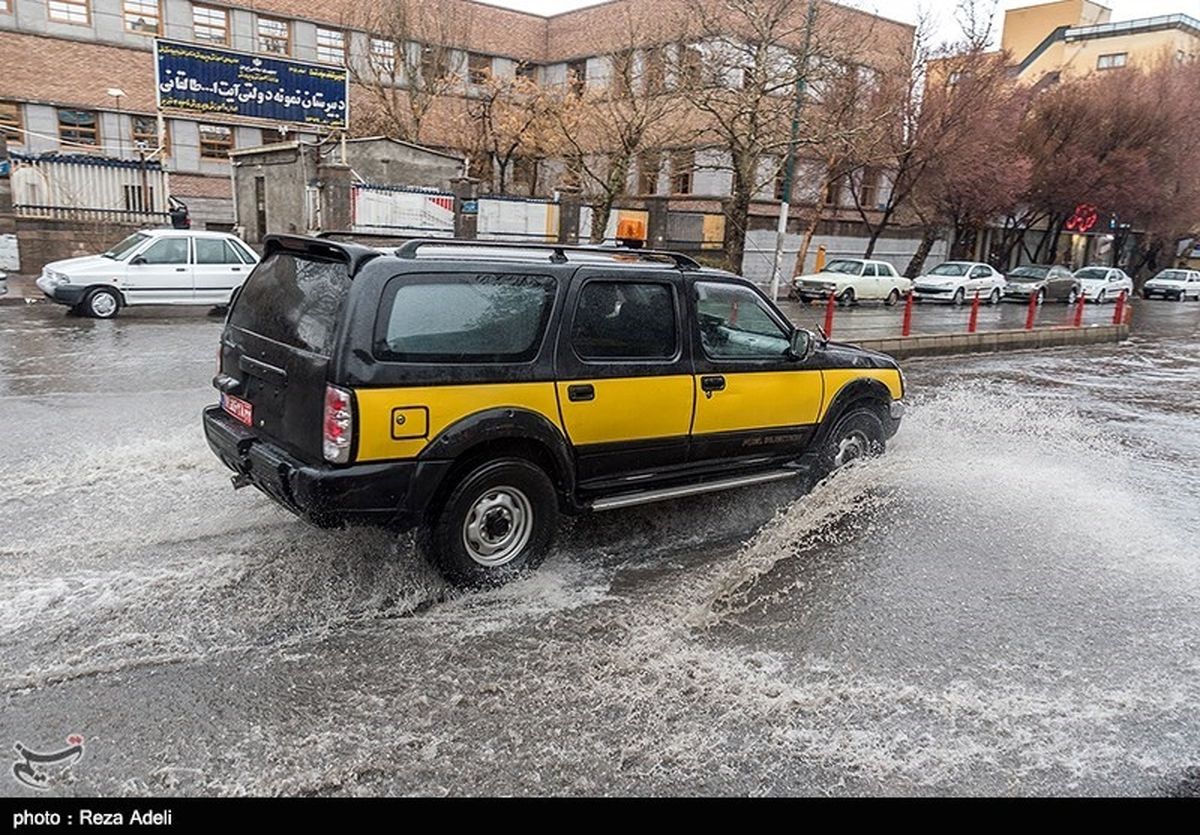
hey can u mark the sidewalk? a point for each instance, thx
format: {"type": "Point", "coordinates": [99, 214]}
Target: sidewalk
{"type": "Point", "coordinates": [22, 290]}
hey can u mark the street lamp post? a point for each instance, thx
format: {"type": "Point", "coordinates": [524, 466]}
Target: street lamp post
{"type": "Point", "coordinates": [789, 170]}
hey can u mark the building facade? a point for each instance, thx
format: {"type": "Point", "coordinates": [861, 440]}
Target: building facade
{"type": "Point", "coordinates": [78, 75]}
{"type": "Point", "coordinates": [1074, 38]}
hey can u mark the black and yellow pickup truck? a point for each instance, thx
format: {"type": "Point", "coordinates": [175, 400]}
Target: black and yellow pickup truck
{"type": "Point", "coordinates": [478, 390]}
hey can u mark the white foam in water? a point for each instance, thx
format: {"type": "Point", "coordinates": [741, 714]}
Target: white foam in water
{"type": "Point", "coordinates": [581, 681]}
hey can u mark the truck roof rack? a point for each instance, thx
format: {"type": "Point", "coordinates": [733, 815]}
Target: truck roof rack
{"type": "Point", "coordinates": [557, 253]}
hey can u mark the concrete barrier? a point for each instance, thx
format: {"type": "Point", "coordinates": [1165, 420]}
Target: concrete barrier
{"type": "Point", "coordinates": [927, 345]}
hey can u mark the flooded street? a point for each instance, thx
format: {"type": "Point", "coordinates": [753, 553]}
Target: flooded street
{"type": "Point", "coordinates": [1007, 603]}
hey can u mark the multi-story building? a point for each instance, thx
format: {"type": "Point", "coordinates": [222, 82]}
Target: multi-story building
{"type": "Point", "coordinates": [78, 75]}
{"type": "Point", "coordinates": [1073, 38]}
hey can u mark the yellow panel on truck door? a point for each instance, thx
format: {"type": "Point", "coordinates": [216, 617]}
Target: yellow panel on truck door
{"type": "Point", "coordinates": [837, 379]}
{"type": "Point", "coordinates": [758, 400]}
{"type": "Point", "coordinates": [627, 409]}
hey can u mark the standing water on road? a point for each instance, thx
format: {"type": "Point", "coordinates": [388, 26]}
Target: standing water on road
{"type": "Point", "coordinates": [1007, 602]}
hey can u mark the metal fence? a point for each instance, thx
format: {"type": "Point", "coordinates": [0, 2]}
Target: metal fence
{"type": "Point", "coordinates": [89, 188]}
{"type": "Point", "coordinates": [401, 211]}
{"type": "Point", "coordinates": [523, 219]}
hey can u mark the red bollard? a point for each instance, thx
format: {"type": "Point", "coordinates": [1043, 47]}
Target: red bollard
{"type": "Point", "coordinates": [1032, 314]}
{"type": "Point", "coordinates": [829, 315]}
{"type": "Point", "coordinates": [908, 306]}
{"type": "Point", "coordinates": [974, 318]}
{"type": "Point", "coordinates": [1079, 310]}
{"type": "Point", "coordinates": [1119, 310]}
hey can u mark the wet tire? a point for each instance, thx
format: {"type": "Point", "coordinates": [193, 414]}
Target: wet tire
{"type": "Point", "coordinates": [858, 434]}
{"type": "Point", "coordinates": [994, 297]}
{"type": "Point", "coordinates": [960, 295]}
{"type": "Point", "coordinates": [1100, 297]}
{"type": "Point", "coordinates": [1041, 298]}
{"type": "Point", "coordinates": [892, 298]}
{"type": "Point", "coordinates": [496, 524]}
{"type": "Point", "coordinates": [100, 303]}
{"type": "Point", "coordinates": [1073, 296]}
{"type": "Point", "coordinates": [847, 297]}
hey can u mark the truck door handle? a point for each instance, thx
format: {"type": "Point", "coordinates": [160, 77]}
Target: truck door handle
{"type": "Point", "coordinates": [581, 393]}
{"type": "Point", "coordinates": [711, 383]}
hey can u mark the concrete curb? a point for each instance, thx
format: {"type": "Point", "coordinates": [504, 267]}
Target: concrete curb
{"type": "Point", "coordinates": [929, 345]}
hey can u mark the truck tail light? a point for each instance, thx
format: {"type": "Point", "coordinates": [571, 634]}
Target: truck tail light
{"type": "Point", "coordinates": [338, 425]}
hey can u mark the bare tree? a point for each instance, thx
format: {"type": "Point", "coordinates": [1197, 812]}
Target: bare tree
{"type": "Point", "coordinates": [411, 66]}
{"type": "Point", "coordinates": [603, 129]}
{"type": "Point", "coordinates": [507, 119]}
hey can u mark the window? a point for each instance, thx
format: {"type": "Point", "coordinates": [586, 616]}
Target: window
{"type": "Point", "coordinates": [691, 65]}
{"type": "Point", "coordinates": [625, 320]}
{"type": "Point", "coordinates": [652, 70]}
{"type": "Point", "coordinates": [273, 135]}
{"type": "Point", "coordinates": [11, 123]}
{"type": "Point", "coordinates": [833, 193]}
{"type": "Point", "coordinates": [981, 272]}
{"type": "Point", "coordinates": [210, 25]}
{"type": "Point", "coordinates": [433, 64]}
{"type": "Point", "coordinates": [479, 68]}
{"type": "Point", "coordinates": [383, 55]}
{"type": "Point", "coordinates": [735, 324]}
{"type": "Point", "coordinates": [145, 130]}
{"type": "Point", "coordinates": [216, 141]}
{"type": "Point", "coordinates": [649, 164]}
{"type": "Point", "coordinates": [868, 191]}
{"type": "Point", "coordinates": [69, 11]}
{"type": "Point", "coordinates": [5, 6]}
{"type": "Point", "coordinates": [294, 301]}
{"type": "Point", "coordinates": [869, 270]}
{"type": "Point", "coordinates": [274, 36]}
{"type": "Point", "coordinates": [142, 16]}
{"type": "Point", "coordinates": [79, 127]}
{"type": "Point", "coordinates": [464, 318]}
{"type": "Point", "coordinates": [577, 76]}
{"type": "Point", "coordinates": [331, 46]}
{"type": "Point", "coordinates": [1112, 61]}
{"type": "Point", "coordinates": [683, 163]}
{"type": "Point", "coordinates": [166, 251]}
{"type": "Point", "coordinates": [780, 176]}
{"type": "Point", "coordinates": [216, 251]}
{"type": "Point", "coordinates": [623, 71]}
{"type": "Point", "coordinates": [527, 71]}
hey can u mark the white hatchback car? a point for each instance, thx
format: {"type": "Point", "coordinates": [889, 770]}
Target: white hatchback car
{"type": "Point", "coordinates": [959, 281]}
{"type": "Point", "coordinates": [154, 266]}
{"type": "Point", "coordinates": [1104, 284]}
{"type": "Point", "coordinates": [851, 280]}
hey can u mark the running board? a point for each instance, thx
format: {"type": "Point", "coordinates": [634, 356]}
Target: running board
{"type": "Point", "coordinates": [631, 499]}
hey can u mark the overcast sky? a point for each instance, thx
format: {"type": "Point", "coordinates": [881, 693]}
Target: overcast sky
{"type": "Point", "coordinates": [908, 10]}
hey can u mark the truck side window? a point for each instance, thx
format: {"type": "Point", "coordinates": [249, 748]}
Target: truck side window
{"type": "Point", "coordinates": [625, 320]}
{"type": "Point", "coordinates": [735, 324]}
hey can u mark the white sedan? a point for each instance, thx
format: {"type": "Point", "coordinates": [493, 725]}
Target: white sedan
{"type": "Point", "coordinates": [1173, 284]}
{"type": "Point", "coordinates": [959, 281]}
{"type": "Point", "coordinates": [853, 279]}
{"type": "Point", "coordinates": [154, 266]}
{"type": "Point", "coordinates": [1104, 284]}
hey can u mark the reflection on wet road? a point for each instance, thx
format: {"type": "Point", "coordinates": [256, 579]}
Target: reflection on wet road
{"type": "Point", "coordinates": [1006, 603]}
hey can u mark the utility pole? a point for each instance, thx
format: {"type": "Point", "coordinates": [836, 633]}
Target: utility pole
{"type": "Point", "coordinates": [789, 170]}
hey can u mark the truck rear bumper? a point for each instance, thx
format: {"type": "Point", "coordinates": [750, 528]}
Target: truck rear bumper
{"type": "Point", "coordinates": [393, 494]}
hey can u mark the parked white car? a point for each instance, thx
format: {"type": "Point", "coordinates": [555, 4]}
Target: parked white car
{"type": "Point", "coordinates": [154, 266]}
{"type": "Point", "coordinates": [1104, 284]}
{"type": "Point", "coordinates": [959, 281]}
{"type": "Point", "coordinates": [853, 279]}
{"type": "Point", "coordinates": [1173, 284]}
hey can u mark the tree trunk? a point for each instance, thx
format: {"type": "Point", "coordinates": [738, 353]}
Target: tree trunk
{"type": "Point", "coordinates": [737, 215]}
{"type": "Point", "coordinates": [917, 262]}
{"type": "Point", "coordinates": [810, 232]}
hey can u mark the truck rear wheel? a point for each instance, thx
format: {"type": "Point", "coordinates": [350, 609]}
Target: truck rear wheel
{"type": "Point", "coordinates": [497, 523]}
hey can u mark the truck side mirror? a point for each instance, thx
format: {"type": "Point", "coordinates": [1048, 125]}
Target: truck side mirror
{"type": "Point", "coordinates": [801, 344]}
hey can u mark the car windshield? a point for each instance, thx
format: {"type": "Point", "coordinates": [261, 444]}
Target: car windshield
{"type": "Point", "coordinates": [1029, 272]}
{"type": "Point", "coordinates": [1172, 275]}
{"type": "Point", "coordinates": [843, 267]}
{"type": "Point", "coordinates": [1092, 272]}
{"type": "Point", "coordinates": [126, 246]}
{"type": "Point", "coordinates": [950, 268]}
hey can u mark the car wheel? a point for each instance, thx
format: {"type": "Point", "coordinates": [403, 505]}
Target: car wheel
{"type": "Point", "coordinates": [892, 298]}
{"type": "Point", "coordinates": [847, 297]}
{"type": "Point", "coordinates": [959, 296]}
{"type": "Point", "coordinates": [1100, 297]}
{"type": "Point", "coordinates": [1041, 297]}
{"type": "Point", "coordinates": [994, 298]}
{"type": "Point", "coordinates": [858, 434]}
{"type": "Point", "coordinates": [1179, 298]}
{"type": "Point", "coordinates": [1072, 296]}
{"type": "Point", "coordinates": [101, 303]}
{"type": "Point", "coordinates": [496, 523]}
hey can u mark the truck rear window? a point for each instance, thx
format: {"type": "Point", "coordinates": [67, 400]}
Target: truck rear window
{"type": "Point", "coordinates": [464, 317]}
{"type": "Point", "coordinates": [295, 301]}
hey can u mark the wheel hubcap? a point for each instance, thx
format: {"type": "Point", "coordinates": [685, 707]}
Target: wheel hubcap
{"type": "Point", "coordinates": [498, 526]}
{"type": "Point", "coordinates": [103, 304]}
{"type": "Point", "coordinates": [850, 448]}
